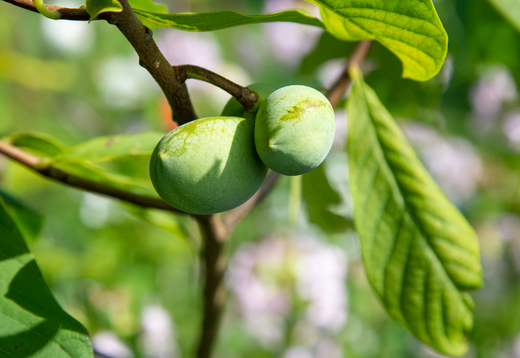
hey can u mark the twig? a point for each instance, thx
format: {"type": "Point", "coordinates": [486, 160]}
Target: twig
{"type": "Point", "coordinates": [151, 58]}
{"type": "Point", "coordinates": [215, 233]}
{"type": "Point", "coordinates": [34, 163]}
{"type": "Point", "coordinates": [65, 13]}
{"type": "Point", "coordinates": [244, 96]}
{"type": "Point", "coordinates": [338, 89]}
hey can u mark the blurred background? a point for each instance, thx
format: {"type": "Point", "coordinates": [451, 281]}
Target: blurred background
{"type": "Point", "coordinates": [296, 283]}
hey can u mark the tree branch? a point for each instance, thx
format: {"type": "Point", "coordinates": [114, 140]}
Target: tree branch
{"type": "Point", "coordinates": [151, 58]}
{"type": "Point", "coordinates": [65, 12]}
{"type": "Point", "coordinates": [215, 233]}
{"type": "Point", "coordinates": [339, 88]}
{"type": "Point", "coordinates": [244, 96]}
{"type": "Point", "coordinates": [36, 164]}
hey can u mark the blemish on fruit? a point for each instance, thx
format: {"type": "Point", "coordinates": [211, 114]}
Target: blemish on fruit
{"type": "Point", "coordinates": [301, 108]}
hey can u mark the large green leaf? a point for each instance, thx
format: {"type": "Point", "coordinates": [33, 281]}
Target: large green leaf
{"type": "Point", "coordinates": [420, 253]}
{"type": "Point", "coordinates": [121, 147]}
{"type": "Point", "coordinates": [32, 324]}
{"type": "Point", "coordinates": [217, 20]}
{"type": "Point", "coordinates": [320, 199]}
{"type": "Point", "coordinates": [410, 29]}
{"type": "Point", "coordinates": [510, 9]}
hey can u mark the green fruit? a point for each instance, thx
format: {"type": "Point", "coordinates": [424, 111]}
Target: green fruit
{"type": "Point", "coordinates": [234, 109]}
{"type": "Point", "coordinates": [208, 166]}
{"type": "Point", "coordinates": [294, 130]}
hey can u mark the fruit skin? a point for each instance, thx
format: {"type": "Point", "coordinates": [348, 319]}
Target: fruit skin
{"type": "Point", "coordinates": [294, 130]}
{"type": "Point", "coordinates": [208, 165]}
{"type": "Point", "coordinates": [234, 109]}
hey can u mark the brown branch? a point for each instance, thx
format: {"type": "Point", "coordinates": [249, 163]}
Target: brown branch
{"type": "Point", "coordinates": [151, 58]}
{"type": "Point", "coordinates": [339, 88]}
{"type": "Point", "coordinates": [244, 96]}
{"type": "Point", "coordinates": [215, 233]}
{"type": "Point", "coordinates": [66, 13]}
{"type": "Point", "coordinates": [36, 164]}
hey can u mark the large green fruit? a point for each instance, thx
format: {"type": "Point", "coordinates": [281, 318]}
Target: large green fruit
{"type": "Point", "coordinates": [294, 130]}
{"type": "Point", "coordinates": [208, 166]}
{"type": "Point", "coordinates": [234, 109]}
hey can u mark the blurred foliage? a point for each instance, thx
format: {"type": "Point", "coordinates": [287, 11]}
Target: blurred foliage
{"type": "Point", "coordinates": [106, 261]}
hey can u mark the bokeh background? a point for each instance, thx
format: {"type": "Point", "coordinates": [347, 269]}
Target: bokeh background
{"type": "Point", "coordinates": [296, 285]}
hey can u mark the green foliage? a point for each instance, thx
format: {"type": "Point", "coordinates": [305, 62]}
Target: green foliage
{"type": "Point", "coordinates": [510, 9]}
{"type": "Point", "coordinates": [96, 7]}
{"type": "Point", "coordinates": [80, 162]}
{"type": "Point", "coordinates": [217, 20]}
{"type": "Point", "coordinates": [410, 29]}
{"type": "Point", "coordinates": [31, 321]}
{"type": "Point", "coordinates": [137, 146]}
{"type": "Point", "coordinates": [149, 5]}
{"type": "Point", "coordinates": [320, 198]}
{"type": "Point", "coordinates": [420, 253]}
{"type": "Point", "coordinates": [28, 221]}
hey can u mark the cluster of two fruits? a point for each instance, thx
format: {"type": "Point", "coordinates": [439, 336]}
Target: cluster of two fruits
{"type": "Point", "coordinates": [215, 164]}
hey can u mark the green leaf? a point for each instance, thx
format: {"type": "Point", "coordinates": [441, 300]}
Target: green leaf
{"type": "Point", "coordinates": [96, 7]}
{"type": "Point", "coordinates": [320, 199]}
{"type": "Point", "coordinates": [31, 321]}
{"type": "Point", "coordinates": [46, 146]}
{"type": "Point", "coordinates": [121, 147]}
{"type": "Point", "coordinates": [410, 29]}
{"type": "Point", "coordinates": [103, 176]}
{"type": "Point", "coordinates": [217, 20]}
{"type": "Point", "coordinates": [149, 5]}
{"type": "Point", "coordinates": [28, 221]}
{"type": "Point", "coordinates": [510, 9]}
{"type": "Point", "coordinates": [38, 143]}
{"type": "Point", "coordinates": [420, 253]}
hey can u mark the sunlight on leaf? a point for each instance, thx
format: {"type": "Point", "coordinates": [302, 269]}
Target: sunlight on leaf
{"type": "Point", "coordinates": [410, 29]}
{"type": "Point", "coordinates": [420, 253]}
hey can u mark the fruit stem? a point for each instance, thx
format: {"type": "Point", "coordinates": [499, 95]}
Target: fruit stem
{"type": "Point", "coordinates": [51, 14]}
{"type": "Point", "coordinates": [244, 96]}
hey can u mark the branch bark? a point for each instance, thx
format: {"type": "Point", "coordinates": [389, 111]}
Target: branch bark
{"type": "Point", "coordinates": [36, 164]}
{"type": "Point", "coordinates": [66, 13]}
{"type": "Point", "coordinates": [215, 233]}
{"type": "Point", "coordinates": [339, 88]}
{"type": "Point", "coordinates": [151, 58]}
{"type": "Point", "coordinates": [244, 96]}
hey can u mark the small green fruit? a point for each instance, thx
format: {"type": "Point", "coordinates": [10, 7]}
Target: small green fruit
{"type": "Point", "coordinates": [294, 130]}
{"type": "Point", "coordinates": [234, 109]}
{"type": "Point", "coordinates": [208, 166]}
